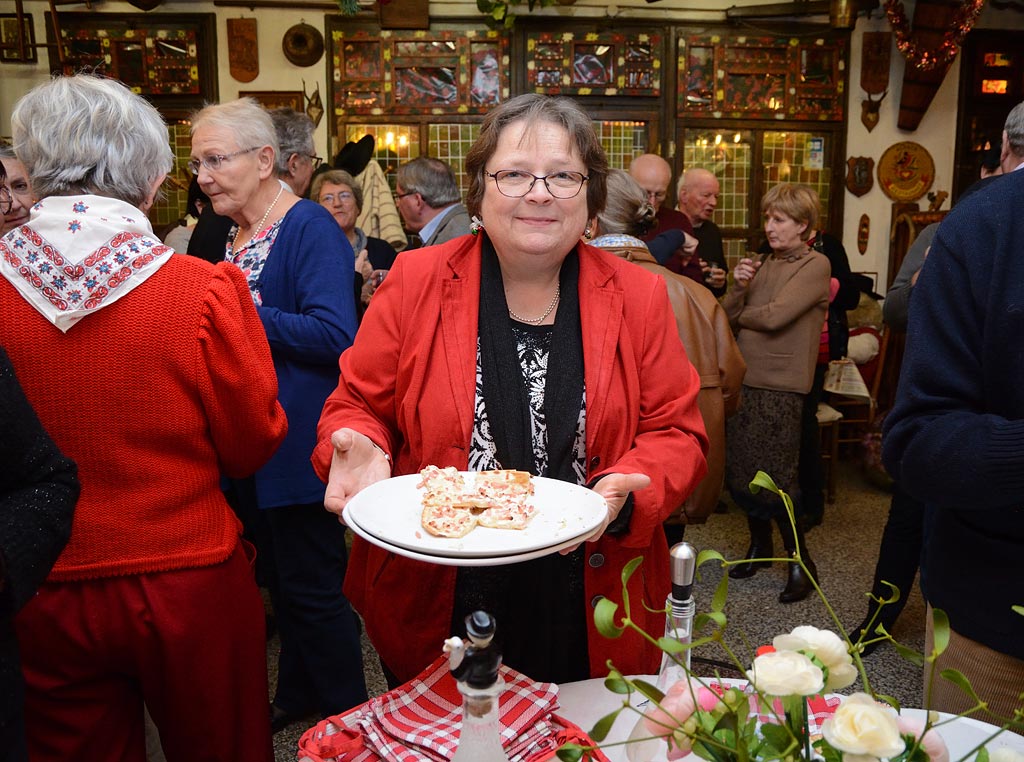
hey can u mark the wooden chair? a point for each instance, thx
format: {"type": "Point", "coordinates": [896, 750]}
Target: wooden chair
{"type": "Point", "coordinates": [858, 415]}
{"type": "Point", "coordinates": [828, 429]}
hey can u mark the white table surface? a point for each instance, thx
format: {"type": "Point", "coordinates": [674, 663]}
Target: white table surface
{"type": "Point", "coordinates": [587, 701]}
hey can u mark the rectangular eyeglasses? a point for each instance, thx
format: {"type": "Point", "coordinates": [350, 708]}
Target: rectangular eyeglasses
{"type": "Point", "coordinates": [516, 183]}
{"type": "Point", "coordinates": [214, 161]}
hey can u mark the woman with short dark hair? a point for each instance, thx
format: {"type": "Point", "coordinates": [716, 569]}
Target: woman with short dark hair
{"type": "Point", "coordinates": [520, 348]}
{"type": "Point", "coordinates": [339, 193]}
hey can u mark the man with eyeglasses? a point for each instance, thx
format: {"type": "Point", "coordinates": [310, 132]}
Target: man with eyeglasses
{"type": "Point", "coordinates": [297, 159]}
{"type": "Point", "coordinates": [429, 201]}
{"type": "Point", "coordinates": [667, 240]}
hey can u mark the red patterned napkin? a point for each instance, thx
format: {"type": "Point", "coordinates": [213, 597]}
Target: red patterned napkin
{"type": "Point", "coordinates": [419, 722]}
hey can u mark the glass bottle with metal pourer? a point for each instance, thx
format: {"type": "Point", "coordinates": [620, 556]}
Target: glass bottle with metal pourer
{"type": "Point", "coordinates": [642, 746]}
{"type": "Point", "coordinates": [679, 617]}
{"type": "Point", "coordinates": [474, 665]}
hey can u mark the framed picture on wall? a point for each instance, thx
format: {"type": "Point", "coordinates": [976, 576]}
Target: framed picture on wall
{"type": "Point", "coordinates": [10, 52]}
{"type": "Point", "coordinates": [170, 59]}
{"type": "Point", "coordinates": [277, 98]}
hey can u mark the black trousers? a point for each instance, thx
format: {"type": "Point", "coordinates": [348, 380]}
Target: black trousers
{"type": "Point", "coordinates": [899, 553]}
{"type": "Point", "coordinates": [321, 663]}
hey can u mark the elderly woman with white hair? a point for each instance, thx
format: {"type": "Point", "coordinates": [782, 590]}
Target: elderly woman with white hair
{"type": "Point", "coordinates": [300, 270]}
{"type": "Point", "coordinates": [149, 370]}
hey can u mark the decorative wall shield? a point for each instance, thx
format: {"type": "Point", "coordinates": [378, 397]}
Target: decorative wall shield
{"type": "Point", "coordinates": [906, 171]}
{"type": "Point", "coordinates": [243, 50]}
{"type": "Point", "coordinates": [859, 174]}
{"type": "Point", "coordinates": [863, 231]}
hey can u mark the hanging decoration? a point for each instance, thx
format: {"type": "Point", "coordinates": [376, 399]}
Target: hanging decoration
{"type": "Point", "coordinates": [303, 44]}
{"type": "Point", "coordinates": [314, 104]}
{"type": "Point", "coordinates": [243, 49]}
{"type": "Point", "coordinates": [863, 232]}
{"type": "Point", "coordinates": [906, 172]}
{"type": "Point", "coordinates": [964, 18]}
{"type": "Point", "coordinates": [874, 75]}
{"type": "Point", "coordinates": [859, 178]}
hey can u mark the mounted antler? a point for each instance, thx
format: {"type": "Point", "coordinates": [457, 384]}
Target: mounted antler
{"type": "Point", "coordinates": [869, 110]}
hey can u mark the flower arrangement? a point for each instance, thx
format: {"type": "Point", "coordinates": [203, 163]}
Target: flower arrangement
{"type": "Point", "coordinates": [767, 720]}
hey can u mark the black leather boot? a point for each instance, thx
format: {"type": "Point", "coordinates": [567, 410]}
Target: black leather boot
{"type": "Point", "coordinates": [798, 583]}
{"type": "Point", "coordinates": [760, 547]}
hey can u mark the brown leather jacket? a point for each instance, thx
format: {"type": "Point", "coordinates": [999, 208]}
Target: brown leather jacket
{"type": "Point", "coordinates": [704, 329]}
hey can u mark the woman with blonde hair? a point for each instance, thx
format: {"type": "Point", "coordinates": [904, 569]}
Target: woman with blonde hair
{"type": "Point", "coordinates": [777, 305]}
{"type": "Point", "coordinates": [18, 186]}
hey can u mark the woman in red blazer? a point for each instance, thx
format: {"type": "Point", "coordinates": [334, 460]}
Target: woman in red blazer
{"type": "Point", "coordinates": [451, 368]}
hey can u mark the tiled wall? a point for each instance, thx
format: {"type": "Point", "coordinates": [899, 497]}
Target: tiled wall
{"type": "Point", "coordinates": [175, 188]}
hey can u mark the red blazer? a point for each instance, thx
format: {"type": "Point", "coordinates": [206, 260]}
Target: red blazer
{"type": "Point", "coordinates": [408, 383]}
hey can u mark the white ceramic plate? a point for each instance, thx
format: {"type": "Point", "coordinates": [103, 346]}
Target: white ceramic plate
{"type": "Point", "coordinates": [515, 558]}
{"type": "Point", "coordinates": [390, 510]}
{"type": "Point", "coordinates": [964, 734]}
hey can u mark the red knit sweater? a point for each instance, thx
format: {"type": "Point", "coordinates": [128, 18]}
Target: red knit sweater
{"type": "Point", "coordinates": [154, 396]}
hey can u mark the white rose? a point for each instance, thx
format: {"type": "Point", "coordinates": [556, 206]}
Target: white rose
{"type": "Point", "coordinates": [1005, 754]}
{"type": "Point", "coordinates": [786, 673]}
{"type": "Point", "coordinates": [863, 727]}
{"type": "Point", "coordinates": [828, 647]}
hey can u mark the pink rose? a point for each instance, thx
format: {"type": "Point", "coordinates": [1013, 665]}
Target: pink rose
{"type": "Point", "coordinates": [931, 742]}
{"type": "Point", "coordinates": [681, 700]}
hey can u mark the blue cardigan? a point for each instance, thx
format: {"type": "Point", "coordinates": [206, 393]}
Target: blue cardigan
{"type": "Point", "coordinates": [955, 437]}
{"type": "Point", "coordinates": [310, 319]}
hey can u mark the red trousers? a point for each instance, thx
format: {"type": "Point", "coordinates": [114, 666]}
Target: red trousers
{"type": "Point", "coordinates": [190, 644]}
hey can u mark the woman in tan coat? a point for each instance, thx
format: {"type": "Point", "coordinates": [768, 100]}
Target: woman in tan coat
{"type": "Point", "coordinates": [777, 305]}
{"type": "Point", "coordinates": [703, 328]}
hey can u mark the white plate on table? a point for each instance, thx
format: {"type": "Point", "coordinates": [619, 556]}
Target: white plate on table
{"type": "Point", "coordinates": [391, 511]}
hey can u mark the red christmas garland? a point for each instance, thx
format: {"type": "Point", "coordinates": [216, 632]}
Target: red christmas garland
{"type": "Point", "coordinates": [963, 21]}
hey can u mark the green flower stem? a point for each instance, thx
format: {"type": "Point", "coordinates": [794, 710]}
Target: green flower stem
{"type": "Point", "coordinates": [799, 728]}
{"type": "Point", "coordinates": [762, 480]}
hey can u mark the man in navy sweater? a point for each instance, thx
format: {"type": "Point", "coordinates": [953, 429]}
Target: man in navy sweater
{"type": "Point", "coordinates": [955, 440]}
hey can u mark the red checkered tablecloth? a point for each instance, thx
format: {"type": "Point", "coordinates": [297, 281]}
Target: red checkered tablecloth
{"type": "Point", "coordinates": [420, 721]}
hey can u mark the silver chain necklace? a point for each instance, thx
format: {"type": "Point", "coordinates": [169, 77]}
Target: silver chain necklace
{"type": "Point", "coordinates": [538, 321]}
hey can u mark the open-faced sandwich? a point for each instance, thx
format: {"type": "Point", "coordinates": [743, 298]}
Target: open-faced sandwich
{"type": "Point", "coordinates": [454, 505]}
